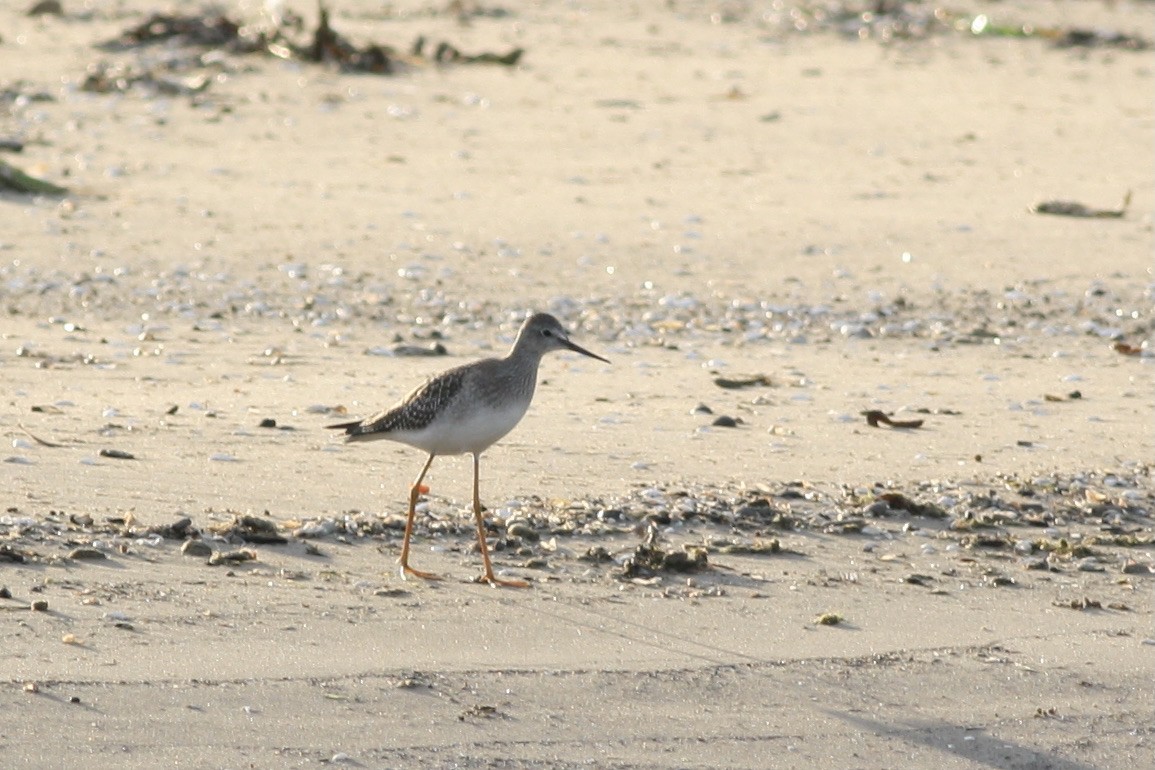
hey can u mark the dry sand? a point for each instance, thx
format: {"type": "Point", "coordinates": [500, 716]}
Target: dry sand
{"type": "Point", "coordinates": [700, 194]}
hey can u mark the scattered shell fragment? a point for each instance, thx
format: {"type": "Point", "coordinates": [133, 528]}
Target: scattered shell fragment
{"type": "Point", "coordinates": [828, 619]}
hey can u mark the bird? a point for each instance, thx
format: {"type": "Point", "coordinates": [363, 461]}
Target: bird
{"type": "Point", "coordinates": [466, 410]}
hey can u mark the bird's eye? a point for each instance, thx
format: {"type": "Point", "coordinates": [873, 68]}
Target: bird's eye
{"type": "Point", "coordinates": [546, 333]}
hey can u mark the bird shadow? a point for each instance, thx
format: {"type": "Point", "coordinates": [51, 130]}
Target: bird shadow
{"type": "Point", "coordinates": [973, 744]}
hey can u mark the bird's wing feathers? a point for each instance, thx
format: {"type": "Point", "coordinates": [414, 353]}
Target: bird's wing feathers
{"type": "Point", "coordinates": [413, 412]}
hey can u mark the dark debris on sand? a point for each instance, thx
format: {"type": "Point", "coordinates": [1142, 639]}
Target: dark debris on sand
{"type": "Point", "coordinates": [196, 43]}
{"type": "Point", "coordinates": [995, 533]}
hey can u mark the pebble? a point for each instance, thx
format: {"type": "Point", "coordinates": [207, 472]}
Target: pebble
{"type": "Point", "coordinates": [523, 531]}
{"type": "Point", "coordinates": [87, 554]}
{"type": "Point", "coordinates": [197, 549]}
{"type": "Point", "coordinates": [117, 454]}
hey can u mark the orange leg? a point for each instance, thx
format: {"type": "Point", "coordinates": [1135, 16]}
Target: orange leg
{"type": "Point", "coordinates": [414, 493]}
{"type": "Point", "coordinates": [488, 577]}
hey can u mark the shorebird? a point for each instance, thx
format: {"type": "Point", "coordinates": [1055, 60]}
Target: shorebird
{"type": "Point", "coordinates": [466, 410]}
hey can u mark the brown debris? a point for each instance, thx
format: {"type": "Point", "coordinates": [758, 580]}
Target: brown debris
{"type": "Point", "coordinates": [735, 383]}
{"type": "Point", "coordinates": [217, 32]}
{"type": "Point", "coordinates": [232, 557]}
{"type": "Point", "coordinates": [1075, 209]}
{"type": "Point", "coordinates": [252, 529]}
{"type": "Point", "coordinates": [37, 439]}
{"type": "Point", "coordinates": [1128, 350]}
{"type": "Point", "coordinates": [117, 454]}
{"type": "Point", "coordinates": [900, 502]}
{"type": "Point", "coordinates": [1077, 37]}
{"type": "Point", "coordinates": [876, 416]}
{"type": "Point", "coordinates": [649, 559]}
{"type": "Point", "coordinates": [210, 31]}
{"type": "Point", "coordinates": [46, 8]}
{"type": "Point", "coordinates": [13, 179]}
{"type": "Point", "coordinates": [12, 554]}
{"type": "Point", "coordinates": [329, 47]}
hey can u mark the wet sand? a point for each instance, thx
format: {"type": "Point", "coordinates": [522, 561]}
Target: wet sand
{"type": "Point", "coordinates": [786, 229]}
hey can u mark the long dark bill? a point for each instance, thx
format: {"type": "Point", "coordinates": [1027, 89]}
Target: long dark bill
{"type": "Point", "coordinates": [579, 349]}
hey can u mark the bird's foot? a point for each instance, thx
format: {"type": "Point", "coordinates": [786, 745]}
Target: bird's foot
{"type": "Point", "coordinates": [495, 581]}
{"type": "Point", "coordinates": [406, 571]}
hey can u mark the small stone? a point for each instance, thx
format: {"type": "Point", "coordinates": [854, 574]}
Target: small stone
{"type": "Point", "coordinates": [117, 454]}
{"type": "Point", "coordinates": [268, 422]}
{"type": "Point", "coordinates": [40, 605]}
{"type": "Point", "coordinates": [232, 557]}
{"type": "Point", "coordinates": [86, 554]}
{"type": "Point", "coordinates": [523, 531]}
{"type": "Point", "coordinates": [197, 549]}
{"type": "Point", "coordinates": [46, 8]}
{"type": "Point", "coordinates": [1090, 564]}
{"type": "Point", "coordinates": [725, 421]}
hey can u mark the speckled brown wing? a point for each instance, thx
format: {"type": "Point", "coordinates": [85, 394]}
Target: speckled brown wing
{"type": "Point", "coordinates": [413, 413]}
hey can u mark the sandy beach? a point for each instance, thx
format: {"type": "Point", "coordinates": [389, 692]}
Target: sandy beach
{"type": "Point", "coordinates": [867, 482]}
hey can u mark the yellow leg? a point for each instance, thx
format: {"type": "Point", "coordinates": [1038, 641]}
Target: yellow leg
{"type": "Point", "coordinates": [414, 493]}
{"type": "Point", "coordinates": [488, 577]}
